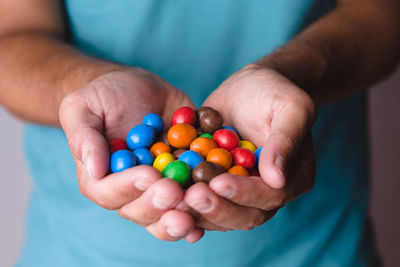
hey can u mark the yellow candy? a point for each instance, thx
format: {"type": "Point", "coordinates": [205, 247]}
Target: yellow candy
{"type": "Point", "coordinates": [163, 160]}
{"type": "Point", "coordinates": [247, 144]}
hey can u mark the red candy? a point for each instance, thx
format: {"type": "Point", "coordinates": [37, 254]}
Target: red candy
{"type": "Point", "coordinates": [226, 139]}
{"type": "Point", "coordinates": [184, 115]}
{"type": "Point", "coordinates": [243, 157]}
{"type": "Point", "coordinates": [117, 144]}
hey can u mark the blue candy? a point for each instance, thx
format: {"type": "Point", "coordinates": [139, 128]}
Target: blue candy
{"type": "Point", "coordinates": [191, 158]}
{"type": "Point", "coordinates": [143, 156]}
{"type": "Point", "coordinates": [122, 160]}
{"type": "Point", "coordinates": [257, 154]}
{"type": "Point", "coordinates": [155, 121]}
{"type": "Point", "coordinates": [139, 136]}
{"type": "Point", "coordinates": [230, 128]}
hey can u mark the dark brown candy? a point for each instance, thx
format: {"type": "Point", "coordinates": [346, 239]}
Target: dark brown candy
{"type": "Point", "coordinates": [178, 152]}
{"type": "Point", "coordinates": [205, 171]}
{"type": "Point", "coordinates": [200, 111]}
{"type": "Point", "coordinates": [164, 138]}
{"type": "Point", "coordinates": [199, 132]}
{"type": "Point", "coordinates": [210, 121]}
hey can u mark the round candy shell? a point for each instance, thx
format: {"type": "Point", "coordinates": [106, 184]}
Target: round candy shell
{"type": "Point", "coordinates": [139, 136]}
{"type": "Point", "coordinates": [121, 160]}
{"type": "Point", "coordinates": [191, 158]}
{"type": "Point", "coordinates": [154, 120]}
{"type": "Point", "coordinates": [162, 161]}
{"type": "Point", "coordinates": [143, 156]}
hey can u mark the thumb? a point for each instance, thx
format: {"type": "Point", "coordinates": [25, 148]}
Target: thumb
{"type": "Point", "coordinates": [84, 131]}
{"type": "Point", "coordinates": [288, 131]}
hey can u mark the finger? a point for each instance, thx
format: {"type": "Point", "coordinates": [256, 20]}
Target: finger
{"type": "Point", "coordinates": [248, 191]}
{"type": "Point", "coordinates": [118, 189]}
{"type": "Point", "coordinates": [201, 222]}
{"type": "Point", "coordinates": [84, 130]}
{"type": "Point", "coordinates": [254, 192]}
{"type": "Point", "coordinates": [195, 235]}
{"type": "Point", "coordinates": [161, 196]}
{"type": "Point", "coordinates": [172, 226]}
{"type": "Point", "coordinates": [289, 126]}
{"type": "Point", "coordinates": [221, 211]}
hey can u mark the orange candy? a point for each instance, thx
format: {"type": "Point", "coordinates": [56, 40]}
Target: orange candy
{"type": "Point", "coordinates": [221, 157]}
{"type": "Point", "coordinates": [238, 170]}
{"type": "Point", "coordinates": [203, 145]}
{"type": "Point", "coordinates": [181, 135]}
{"type": "Point", "coordinates": [160, 147]}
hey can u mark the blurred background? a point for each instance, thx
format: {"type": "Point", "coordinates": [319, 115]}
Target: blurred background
{"type": "Point", "coordinates": [384, 131]}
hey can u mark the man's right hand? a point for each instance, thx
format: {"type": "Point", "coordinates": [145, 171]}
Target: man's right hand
{"type": "Point", "coordinates": [106, 109]}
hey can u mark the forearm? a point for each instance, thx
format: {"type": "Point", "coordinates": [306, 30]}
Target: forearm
{"type": "Point", "coordinates": [36, 72]}
{"type": "Point", "coordinates": [344, 52]}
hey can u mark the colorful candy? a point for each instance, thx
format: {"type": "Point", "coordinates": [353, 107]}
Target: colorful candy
{"type": "Point", "coordinates": [143, 156]}
{"type": "Point", "coordinates": [181, 135]}
{"type": "Point", "coordinates": [162, 161]}
{"type": "Point", "coordinates": [230, 128]}
{"type": "Point", "coordinates": [117, 144]}
{"type": "Point", "coordinates": [210, 121]}
{"type": "Point", "coordinates": [191, 158]}
{"type": "Point", "coordinates": [226, 138]}
{"type": "Point", "coordinates": [238, 170]}
{"type": "Point", "coordinates": [257, 154]}
{"type": "Point", "coordinates": [177, 153]}
{"type": "Point", "coordinates": [160, 147]}
{"type": "Point", "coordinates": [213, 148]}
{"type": "Point", "coordinates": [155, 121]}
{"type": "Point", "coordinates": [207, 135]}
{"type": "Point", "coordinates": [202, 110]}
{"type": "Point", "coordinates": [122, 160]}
{"type": "Point", "coordinates": [139, 136]}
{"type": "Point", "coordinates": [221, 157]}
{"type": "Point", "coordinates": [205, 171]}
{"type": "Point", "coordinates": [184, 115]}
{"type": "Point", "coordinates": [243, 157]}
{"type": "Point", "coordinates": [202, 145]}
{"type": "Point", "coordinates": [178, 171]}
{"type": "Point", "coordinates": [247, 144]}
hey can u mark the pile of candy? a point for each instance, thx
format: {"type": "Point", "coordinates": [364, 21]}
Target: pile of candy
{"type": "Point", "coordinates": [196, 146]}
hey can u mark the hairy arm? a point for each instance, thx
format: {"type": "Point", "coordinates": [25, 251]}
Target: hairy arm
{"type": "Point", "coordinates": [347, 50]}
{"type": "Point", "coordinates": [37, 67]}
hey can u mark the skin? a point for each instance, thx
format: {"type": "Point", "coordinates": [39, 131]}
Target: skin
{"type": "Point", "coordinates": [44, 80]}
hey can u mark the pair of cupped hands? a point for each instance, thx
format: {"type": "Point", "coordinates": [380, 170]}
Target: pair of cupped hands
{"type": "Point", "coordinates": [264, 106]}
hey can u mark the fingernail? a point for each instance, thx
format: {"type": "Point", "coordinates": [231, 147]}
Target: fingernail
{"type": "Point", "coordinates": [162, 201]}
{"type": "Point", "coordinates": [142, 183]}
{"type": "Point", "coordinates": [87, 162]}
{"type": "Point", "coordinates": [280, 164]}
{"type": "Point", "coordinates": [204, 205]}
{"type": "Point", "coordinates": [174, 233]}
{"type": "Point", "coordinates": [225, 191]}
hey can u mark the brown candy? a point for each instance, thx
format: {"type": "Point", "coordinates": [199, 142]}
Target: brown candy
{"type": "Point", "coordinates": [164, 138]}
{"type": "Point", "coordinates": [201, 111]}
{"type": "Point", "coordinates": [205, 171]}
{"type": "Point", "coordinates": [210, 121]}
{"type": "Point", "coordinates": [178, 152]}
{"type": "Point", "coordinates": [199, 131]}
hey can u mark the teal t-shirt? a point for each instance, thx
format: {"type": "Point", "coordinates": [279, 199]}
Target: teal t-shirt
{"type": "Point", "coordinates": [195, 45]}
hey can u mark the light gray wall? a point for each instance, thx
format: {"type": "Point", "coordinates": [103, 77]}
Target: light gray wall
{"type": "Point", "coordinates": [385, 131]}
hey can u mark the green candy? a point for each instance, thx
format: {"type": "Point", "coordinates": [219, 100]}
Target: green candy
{"type": "Point", "coordinates": [178, 171]}
{"type": "Point", "coordinates": [207, 135]}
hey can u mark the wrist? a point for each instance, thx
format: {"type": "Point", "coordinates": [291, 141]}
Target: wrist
{"type": "Point", "coordinates": [302, 64]}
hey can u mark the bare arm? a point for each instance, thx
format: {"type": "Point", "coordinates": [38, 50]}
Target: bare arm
{"type": "Point", "coordinates": [347, 50]}
{"type": "Point", "coordinates": [37, 67]}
